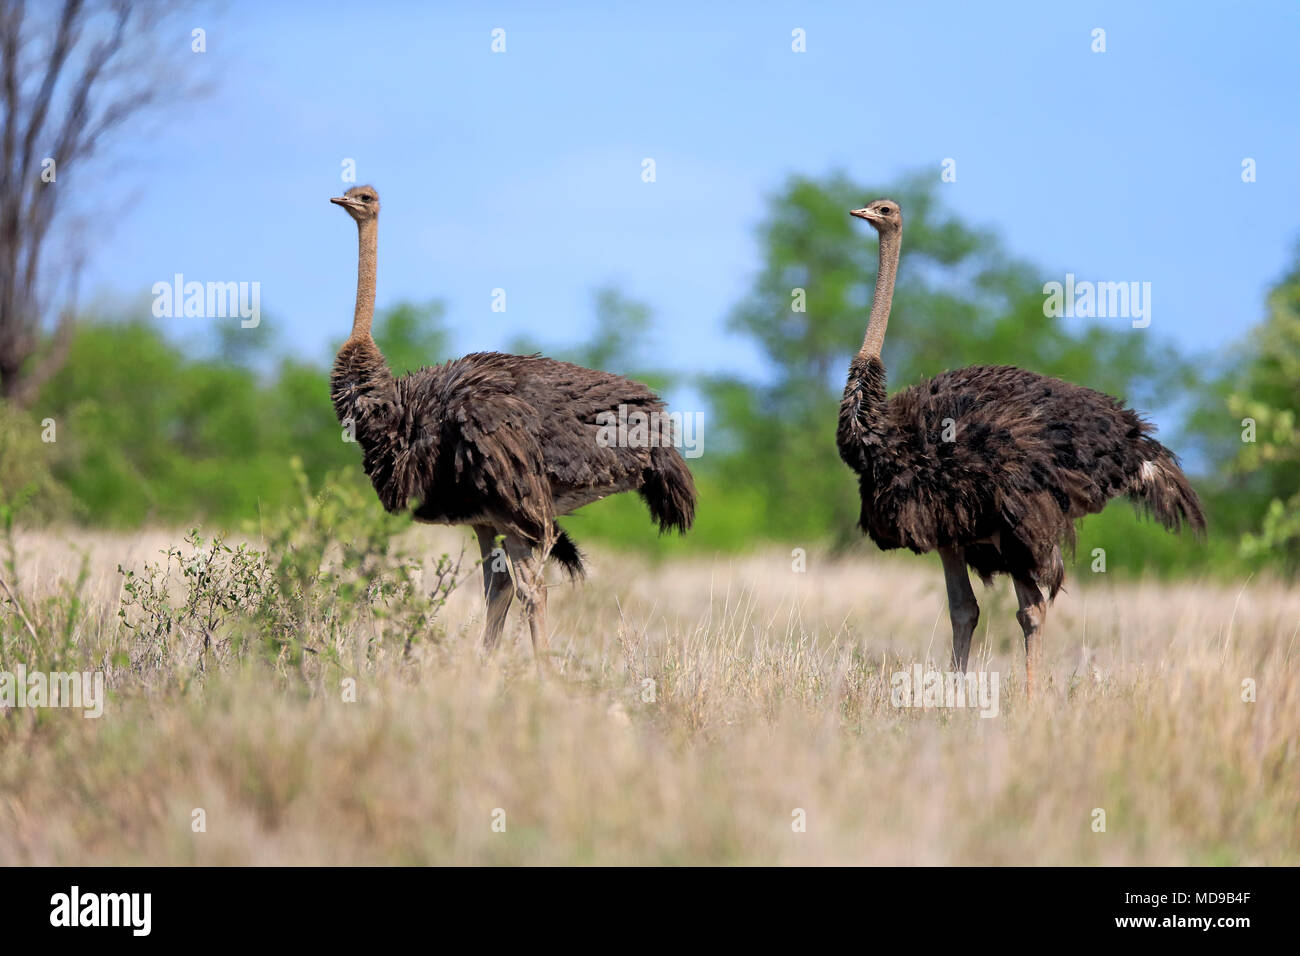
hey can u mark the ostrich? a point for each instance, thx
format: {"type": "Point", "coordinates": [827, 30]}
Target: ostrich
{"type": "Point", "coordinates": [501, 443]}
{"type": "Point", "coordinates": [991, 465]}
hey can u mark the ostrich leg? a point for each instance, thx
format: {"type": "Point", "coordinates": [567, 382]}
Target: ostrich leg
{"type": "Point", "coordinates": [496, 586]}
{"type": "Point", "coordinates": [1032, 613]}
{"type": "Point", "coordinates": [963, 610]}
{"type": "Point", "coordinates": [529, 559]}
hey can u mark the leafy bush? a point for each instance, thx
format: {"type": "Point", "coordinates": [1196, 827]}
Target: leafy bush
{"type": "Point", "coordinates": [26, 482]}
{"type": "Point", "coordinates": [329, 560]}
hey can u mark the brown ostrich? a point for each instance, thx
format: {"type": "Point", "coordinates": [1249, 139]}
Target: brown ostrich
{"type": "Point", "coordinates": [502, 443]}
{"type": "Point", "coordinates": [991, 465]}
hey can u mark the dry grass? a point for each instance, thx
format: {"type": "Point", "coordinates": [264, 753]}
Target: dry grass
{"type": "Point", "coordinates": [771, 693]}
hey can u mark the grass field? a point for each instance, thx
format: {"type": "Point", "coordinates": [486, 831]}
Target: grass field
{"type": "Point", "coordinates": [732, 711]}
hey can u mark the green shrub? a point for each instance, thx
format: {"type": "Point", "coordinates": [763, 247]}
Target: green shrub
{"type": "Point", "coordinates": [327, 561]}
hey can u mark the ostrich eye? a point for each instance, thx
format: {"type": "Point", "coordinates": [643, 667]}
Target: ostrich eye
{"type": "Point", "coordinates": [365, 199]}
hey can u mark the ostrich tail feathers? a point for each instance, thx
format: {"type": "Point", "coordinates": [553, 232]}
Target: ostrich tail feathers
{"type": "Point", "coordinates": [669, 490]}
{"type": "Point", "coordinates": [1160, 489]}
{"type": "Point", "coordinates": [565, 551]}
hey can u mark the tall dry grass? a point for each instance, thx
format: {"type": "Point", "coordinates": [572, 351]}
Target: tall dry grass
{"type": "Point", "coordinates": [770, 695]}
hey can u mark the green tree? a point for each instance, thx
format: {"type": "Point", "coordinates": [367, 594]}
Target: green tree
{"type": "Point", "coordinates": [1264, 399]}
{"type": "Point", "coordinates": [148, 432]}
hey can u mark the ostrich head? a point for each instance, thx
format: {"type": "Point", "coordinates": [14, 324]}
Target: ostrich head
{"type": "Point", "coordinates": [883, 214]}
{"type": "Point", "coordinates": [361, 202]}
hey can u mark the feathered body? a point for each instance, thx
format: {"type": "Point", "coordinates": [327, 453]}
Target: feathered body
{"type": "Point", "coordinates": [507, 440]}
{"type": "Point", "coordinates": [999, 461]}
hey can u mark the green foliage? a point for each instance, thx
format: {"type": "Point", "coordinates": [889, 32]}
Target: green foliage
{"type": "Point", "coordinates": [26, 481]}
{"type": "Point", "coordinates": [726, 519]}
{"type": "Point", "coordinates": [216, 582]}
{"type": "Point", "coordinates": [1137, 545]}
{"type": "Point", "coordinates": [148, 433]}
{"type": "Point", "coordinates": [1265, 396]}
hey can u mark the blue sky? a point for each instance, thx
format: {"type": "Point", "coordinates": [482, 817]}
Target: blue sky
{"type": "Point", "coordinates": [522, 170]}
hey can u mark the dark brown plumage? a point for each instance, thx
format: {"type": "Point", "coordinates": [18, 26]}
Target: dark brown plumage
{"type": "Point", "coordinates": [509, 437]}
{"type": "Point", "coordinates": [991, 465]}
{"type": "Point", "coordinates": [503, 443]}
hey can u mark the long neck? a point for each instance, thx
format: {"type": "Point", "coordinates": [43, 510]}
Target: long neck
{"type": "Point", "coordinates": [361, 386]}
{"type": "Point", "coordinates": [862, 431]}
{"type": "Point", "coordinates": [884, 294]}
{"type": "Point", "coordinates": [368, 250]}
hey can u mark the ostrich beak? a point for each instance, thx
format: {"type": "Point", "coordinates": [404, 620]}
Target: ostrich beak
{"type": "Point", "coordinates": [344, 201]}
{"type": "Point", "coordinates": [864, 213]}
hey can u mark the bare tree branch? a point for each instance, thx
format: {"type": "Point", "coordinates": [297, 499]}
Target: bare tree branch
{"type": "Point", "coordinates": [65, 38]}
{"type": "Point", "coordinates": [60, 102]}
